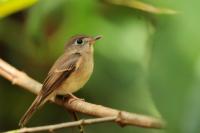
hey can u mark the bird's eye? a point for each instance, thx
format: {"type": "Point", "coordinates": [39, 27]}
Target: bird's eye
{"type": "Point", "coordinates": [79, 42]}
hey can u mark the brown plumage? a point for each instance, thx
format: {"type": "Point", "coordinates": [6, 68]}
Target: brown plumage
{"type": "Point", "coordinates": [68, 74]}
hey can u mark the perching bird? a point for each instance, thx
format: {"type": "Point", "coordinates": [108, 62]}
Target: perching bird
{"type": "Point", "coordinates": [68, 74]}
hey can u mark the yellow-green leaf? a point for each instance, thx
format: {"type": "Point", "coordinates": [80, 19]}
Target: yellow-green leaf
{"type": "Point", "coordinates": [8, 7]}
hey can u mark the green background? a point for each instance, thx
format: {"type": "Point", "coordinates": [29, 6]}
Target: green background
{"type": "Point", "coordinates": [145, 63]}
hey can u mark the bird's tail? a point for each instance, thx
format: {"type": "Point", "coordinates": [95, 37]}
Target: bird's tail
{"type": "Point", "coordinates": [31, 110]}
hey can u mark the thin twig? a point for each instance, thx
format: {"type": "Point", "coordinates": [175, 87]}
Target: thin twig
{"type": "Point", "coordinates": [142, 6]}
{"type": "Point", "coordinates": [63, 125]}
{"type": "Point", "coordinates": [20, 78]}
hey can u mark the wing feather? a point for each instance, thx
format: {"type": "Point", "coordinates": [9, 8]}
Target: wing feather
{"type": "Point", "coordinates": [61, 70]}
{"type": "Point", "coordinates": [59, 73]}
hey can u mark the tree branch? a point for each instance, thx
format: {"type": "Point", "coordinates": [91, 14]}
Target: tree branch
{"type": "Point", "coordinates": [20, 78]}
{"type": "Point", "coordinates": [63, 125]}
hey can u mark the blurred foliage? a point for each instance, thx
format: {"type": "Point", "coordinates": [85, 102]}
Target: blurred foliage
{"type": "Point", "coordinates": [145, 63]}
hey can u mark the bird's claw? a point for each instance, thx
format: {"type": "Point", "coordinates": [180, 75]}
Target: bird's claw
{"type": "Point", "coordinates": [74, 98]}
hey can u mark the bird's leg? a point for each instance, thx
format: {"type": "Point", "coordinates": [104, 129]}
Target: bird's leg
{"type": "Point", "coordinates": [64, 98]}
{"type": "Point", "coordinates": [67, 97]}
{"type": "Point", "coordinates": [74, 97]}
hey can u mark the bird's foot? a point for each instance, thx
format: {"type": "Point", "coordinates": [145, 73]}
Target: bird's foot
{"type": "Point", "coordinates": [74, 98]}
{"type": "Point", "coordinates": [69, 97]}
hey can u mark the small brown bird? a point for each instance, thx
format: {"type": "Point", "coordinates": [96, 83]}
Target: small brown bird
{"type": "Point", "coordinates": [68, 74]}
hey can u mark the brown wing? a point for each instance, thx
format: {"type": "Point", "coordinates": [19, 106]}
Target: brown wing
{"type": "Point", "coordinates": [61, 70]}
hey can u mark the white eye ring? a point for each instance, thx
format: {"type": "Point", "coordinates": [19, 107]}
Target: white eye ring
{"type": "Point", "coordinates": [79, 42]}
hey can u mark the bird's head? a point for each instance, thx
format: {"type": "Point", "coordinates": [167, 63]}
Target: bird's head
{"type": "Point", "coordinates": [81, 43]}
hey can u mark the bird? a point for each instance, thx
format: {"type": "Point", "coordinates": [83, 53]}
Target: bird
{"type": "Point", "coordinates": [69, 73]}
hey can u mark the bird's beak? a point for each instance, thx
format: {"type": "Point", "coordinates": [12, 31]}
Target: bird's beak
{"type": "Point", "coordinates": [97, 37]}
{"type": "Point", "coordinates": [94, 39]}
